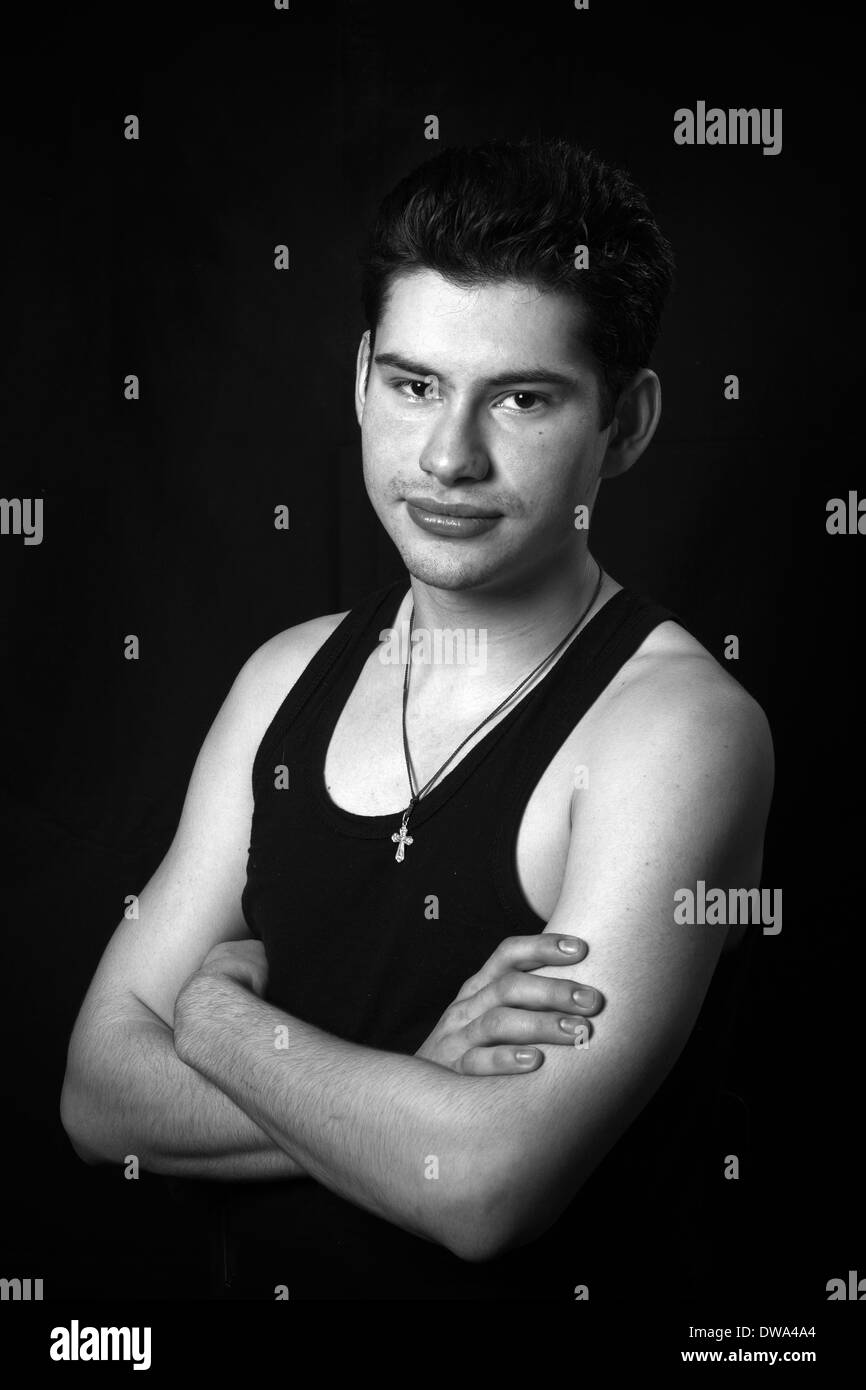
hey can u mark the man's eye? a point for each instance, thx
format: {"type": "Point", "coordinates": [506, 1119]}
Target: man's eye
{"type": "Point", "coordinates": [419, 389]}
{"type": "Point", "coordinates": [525, 400]}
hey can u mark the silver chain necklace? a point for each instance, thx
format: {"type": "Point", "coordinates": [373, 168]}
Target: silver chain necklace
{"type": "Point", "coordinates": [401, 837]}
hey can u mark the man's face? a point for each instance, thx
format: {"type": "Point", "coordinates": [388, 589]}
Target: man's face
{"type": "Point", "coordinates": [507, 430]}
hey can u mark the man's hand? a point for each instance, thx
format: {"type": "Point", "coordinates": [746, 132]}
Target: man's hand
{"type": "Point", "coordinates": [503, 1005]}
{"type": "Point", "coordinates": [243, 962]}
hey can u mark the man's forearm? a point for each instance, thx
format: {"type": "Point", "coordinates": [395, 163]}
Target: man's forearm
{"type": "Point", "coordinates": [149, 1103]}
{"type": "Point", "coordinates": [394, 1134]}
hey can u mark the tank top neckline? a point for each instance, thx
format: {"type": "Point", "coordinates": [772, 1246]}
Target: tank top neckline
{"type": "Point", "coordinates": [353, 822]}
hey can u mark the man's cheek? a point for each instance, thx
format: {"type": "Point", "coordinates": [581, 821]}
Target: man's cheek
{"type": "Point", "coordinates": [388, 464]}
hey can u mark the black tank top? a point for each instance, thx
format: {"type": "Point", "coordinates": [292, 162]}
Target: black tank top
{"type": "Point", "coordinates": [352, 950]}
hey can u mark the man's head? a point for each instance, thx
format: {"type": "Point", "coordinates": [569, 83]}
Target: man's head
{"type": "Point", "coordinates": [538, 349]}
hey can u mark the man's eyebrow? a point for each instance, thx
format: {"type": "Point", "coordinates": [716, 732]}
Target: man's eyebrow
{"type": "Point", "coordinates": [507, 378]}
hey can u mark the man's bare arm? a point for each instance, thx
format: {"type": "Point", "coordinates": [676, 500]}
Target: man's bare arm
{"type": "Point", "coordinates": [125, 1090]}
{"type": "Point", "coordinates": [394, 1134]}
{"type": "Point", "coordinates": [143, 1100]}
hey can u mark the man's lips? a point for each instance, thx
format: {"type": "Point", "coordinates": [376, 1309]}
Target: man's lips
{"type": "Point", "coordinates": [457, 521]}
{"type": "Point", "coordinates": [429, 508]}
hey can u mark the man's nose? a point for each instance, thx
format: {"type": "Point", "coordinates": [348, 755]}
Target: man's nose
{"type": "Point", "coordinates": [455, 448]}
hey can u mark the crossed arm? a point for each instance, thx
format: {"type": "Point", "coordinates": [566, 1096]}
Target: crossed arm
{"type": "Point", "coordinates": [680, 793]}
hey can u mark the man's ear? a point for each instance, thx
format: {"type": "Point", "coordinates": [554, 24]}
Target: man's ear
{"type": "Point", "coordinates": [636, 418]}
{"type": "Point", "coordinates": [362, 375]}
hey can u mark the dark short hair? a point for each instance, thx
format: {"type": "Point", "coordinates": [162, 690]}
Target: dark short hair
{"type": "Point", "coordinates": [515, 211]}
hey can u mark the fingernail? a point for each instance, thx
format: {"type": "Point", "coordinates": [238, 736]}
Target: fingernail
{"type": "Point", "coordinates": [524, 1056]}
{"type": "Point", "coordinates": [571, 1025]}
{"type": "Point", "coordinates": [569, 945]}
{"type": "Point", "coordinates": [583, 996]}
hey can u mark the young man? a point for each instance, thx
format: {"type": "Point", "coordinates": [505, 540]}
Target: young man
{"type": "Point", "coordinates": [360, 987]}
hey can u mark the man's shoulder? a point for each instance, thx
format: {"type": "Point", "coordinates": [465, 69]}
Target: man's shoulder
{"type": "Point", "coordinates": [283, 657]}
{"type": "Point", "coordinates": [269, 673]}
{"type": "Point", "coordinates": [673, 695]}
{"type": "Point", "coordinates": [287, 654]}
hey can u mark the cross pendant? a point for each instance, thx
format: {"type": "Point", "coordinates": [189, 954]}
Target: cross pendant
{"type": "Point", "coordinates": [401, 839]}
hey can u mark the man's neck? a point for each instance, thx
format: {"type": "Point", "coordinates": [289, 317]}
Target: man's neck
{"type": "Point", "coordinates": [514, 629]}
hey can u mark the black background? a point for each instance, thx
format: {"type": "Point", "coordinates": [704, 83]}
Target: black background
{"type": "Point", "coordinates": [260, 127]}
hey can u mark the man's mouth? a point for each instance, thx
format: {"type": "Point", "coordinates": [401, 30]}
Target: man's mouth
{"type": "Point", "coordinates": [451, 520]}
{"type": "Point", "coordinates": [429, 507]}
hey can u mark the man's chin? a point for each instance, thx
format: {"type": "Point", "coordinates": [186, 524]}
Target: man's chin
{"type": "Point", "coordinates": [436, 568]}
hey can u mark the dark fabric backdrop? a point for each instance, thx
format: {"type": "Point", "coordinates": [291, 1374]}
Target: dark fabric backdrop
{"type": "Point", "coordinates": [156, 257]}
